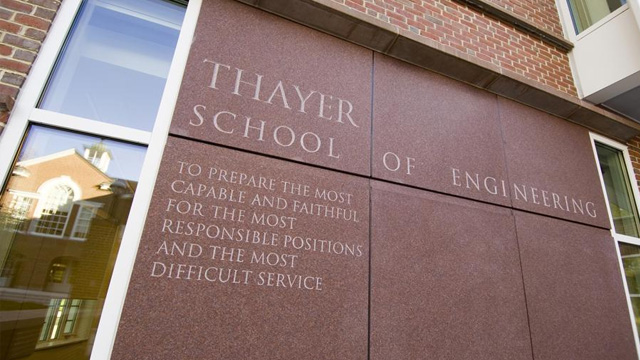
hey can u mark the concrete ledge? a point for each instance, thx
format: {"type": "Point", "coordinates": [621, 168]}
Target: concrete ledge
{"type": "Point", "coordinates": [367, 31]}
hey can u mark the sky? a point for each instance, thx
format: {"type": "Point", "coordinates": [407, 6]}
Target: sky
{"type": "Point", "coordinates": [126, 161]}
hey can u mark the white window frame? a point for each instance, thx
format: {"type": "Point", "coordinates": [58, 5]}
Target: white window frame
{"type": "Point", "coordinates": [92, 207]}
{"type": "Point", "coordinates": [33, 197]}
{"type": "Point", "coordinates": [43, 192]}
{"type": "Point", "coordinates": [566, 19]}
{"type": "Point", "coordinates": [25, 113]}
{"type": "Point", "coordinates": [620, 237]}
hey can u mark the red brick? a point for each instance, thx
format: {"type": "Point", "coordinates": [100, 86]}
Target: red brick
{"type": "Point", "coordinates": [415, 24]}
{"type": "Point", "coordinates": [32, 21]}
{"type": "Point", "coordinates": [405, 13]}
{"type": "Point", "coordinates": [21, 42]}
{"type": "Point", "coordinates": [14, 65]}
{"type": "Point", "coordinates": [484, 57]}
{"type": "Point", "coordinates": [507, 66]}
{"type": "Point", "coordinates": [355, 6]}
{"type": "Point", "coordinates": [45, 13]}
{"type": "Point", "coordinates": [399, 23]}
{"type": "Point", "coordinates": [468, 24]}
{"type": "Point", "coordinates": [434, 9]}
{"type": "Point", "coordinates": [24, 55]}
{"type": "Point", "coordinates": [49, 4]}
{"type": "Point", "coordinates": [374, 7]}
{"type": "Point", "coordinates": [459, 47]}
{"type": "Point", "coordinates": [13, 79]}
{"type": "Point", "coordinates": [485, 32]}
{"type": "Point", "coordinates": [5, 14]}
{"type": "Point", "coordinates": [394, 15]}
{"type": "Point", "coordinates": [429, 34]}
{"type": "Point", "coordinates": [4, 117]}
{"type": "Point", "coordinates": [10, 27]}
{"type": "Point", "coordinates": [520, 67]}
{"type": "Point", "coordinates": [16, 5]}
{"type": "Point", "coordinates": [5, 50]}
{"type": "Point", "coordinates": [9, 90]}
{"type": "Point", "coordinates": [414, 11]}
{"type": "Point", "coordinates": [35, 34]}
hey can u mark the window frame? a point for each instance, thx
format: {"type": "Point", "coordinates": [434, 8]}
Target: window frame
{"type": "Point", "coordinates": [78, 223]}
{"type": "Point", "coordinates": [26, 113]}
{"type": "Point", "coordinates": [566, 18]}
{"type": "Point", "coordinates": [44, 195]}
{"type": "Point", "coordinates": [54, 326]}
{"type": "Point", "coordinates": [620, 237]}
{"type": "Point", "coordinates": [22, 195]}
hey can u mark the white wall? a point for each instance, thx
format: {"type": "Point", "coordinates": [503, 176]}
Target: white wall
{"type": "Point", "coordinates": [606, 57]}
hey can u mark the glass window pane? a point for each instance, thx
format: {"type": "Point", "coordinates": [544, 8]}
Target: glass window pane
{"type": "Point", "coordinates": [53, 277]}
{"type": "Point", "coordinates": [631, 262]}
{"type": "Point", "coordinates": [115, 62]}
{"type": "Point", "coordinates": [588, 12]}
{"type": "Point", "coordinates": [618, 189]}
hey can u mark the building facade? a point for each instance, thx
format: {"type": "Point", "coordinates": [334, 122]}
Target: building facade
{"type": "Point", "coordinates": [224, 179]}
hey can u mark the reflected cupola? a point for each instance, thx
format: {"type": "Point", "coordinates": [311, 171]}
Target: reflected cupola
{"type": "Point", "coordinates": [99, 155]}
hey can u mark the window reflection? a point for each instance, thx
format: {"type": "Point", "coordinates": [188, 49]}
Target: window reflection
{"type": "Point", "coordinates": [585, 13]}
{"type": "Point", "coordinates": [115, 62]}
{"type": "Point", "coordinates": [62, 213]}
{"type": "Point", "coordinates": [631, 262]}
{"type": "Point", "coordinates": [618, 190]}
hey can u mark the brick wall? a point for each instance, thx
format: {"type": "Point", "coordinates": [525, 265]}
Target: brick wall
{"type": "Point", "coordinates": [542, 13]}
{"type": "Point", "coordinates": [23, 26]}
{"type": "Point", "coordinates": [459, 27]}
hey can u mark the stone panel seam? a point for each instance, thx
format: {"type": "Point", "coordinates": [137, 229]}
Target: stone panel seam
{"type": "Point", "coordinates": [524, 287]}
{"type": "Point", "coordinates": [504, 147]}
{"type": "Point", "coordinates": [370, 277]}
{"type": "Point", "coordinates": [373, 63]}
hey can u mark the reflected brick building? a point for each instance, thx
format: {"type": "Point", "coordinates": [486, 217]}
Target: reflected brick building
{"type": "Point", "coordinates": [62, 228]}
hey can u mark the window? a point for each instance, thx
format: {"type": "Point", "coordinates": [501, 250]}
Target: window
{"type": "Point", "coordinates": [54, 212]}
{"type": "Point", "coordinates": [20, 206]}
{"type": "Point", "coordinates": [18, 210]}
{"type": "Point", "coordinates": [94, 102]}
{"type": "Point", "coordinates": [63, 323]}
{"type": "Point", "coordinates": [618, 188]}
{"type": "Point", "coordinates": [585, 13]}
{"type": "Point", "coordinates": [115, 63]}
{"type": "Point", "coordinates": [622, 195]}
{"type": "Point", "coordinates": [83, 221]}
{"type": "Point", "coordinates": [59, 271]}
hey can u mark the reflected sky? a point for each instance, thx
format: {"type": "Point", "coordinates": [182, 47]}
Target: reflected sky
{"type": "Point", "coordinates": [114, 65]}
{"type": "Point", "coordinates": [126, 161]}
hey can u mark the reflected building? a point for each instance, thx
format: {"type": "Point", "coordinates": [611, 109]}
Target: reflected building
{"type": "Point", "coordinates": [63, 217]}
